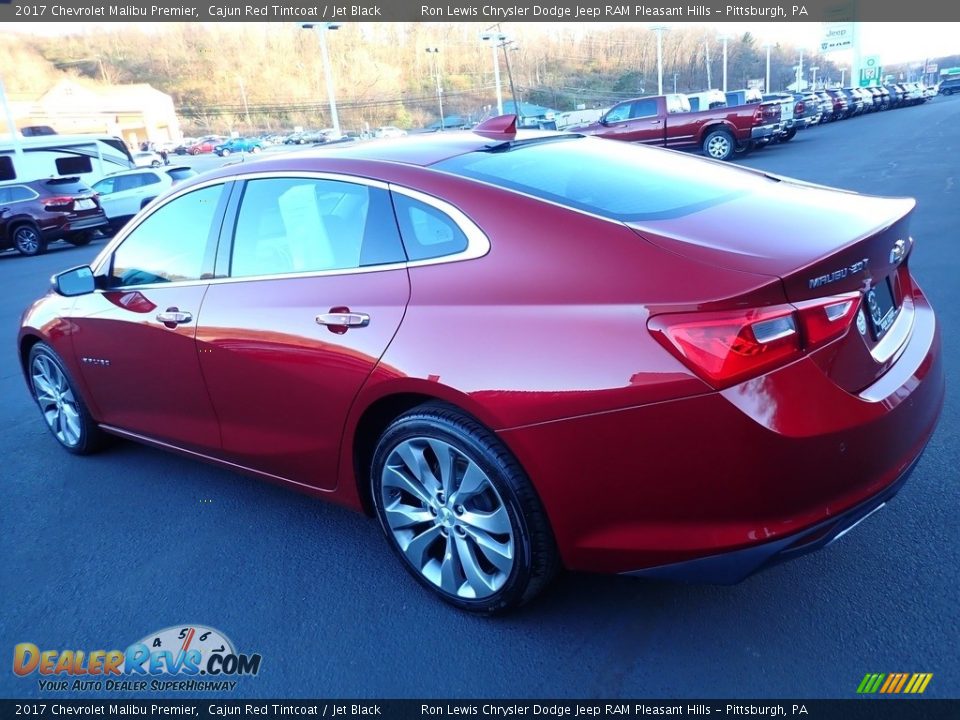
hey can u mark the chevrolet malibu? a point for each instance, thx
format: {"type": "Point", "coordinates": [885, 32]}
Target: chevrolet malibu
{"type": "Point", "coordinates": [518, 351]}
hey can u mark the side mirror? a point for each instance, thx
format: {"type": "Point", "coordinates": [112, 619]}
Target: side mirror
{"type": "Point", "coordinates": [75, 281]}
{"type": "Point", "coordinates": [603, 120]}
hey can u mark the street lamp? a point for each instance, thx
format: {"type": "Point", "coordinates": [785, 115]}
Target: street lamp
{"type": "Point", "coordinates": [322, 29]}
{"type": "Point", "coordinates": [436, 67]}
{"type": "Point", "coordinates": [814, 71]}
{"type": "Point", "coordinates": [843, 72]}
{"type": "Point", "coordinates": [724, 37]}
{"type": "Point", "coordinates": [766, 87]}
{"type": "Point", "coordinates": [658, 29]}
{"type": "Point", "coordinates": [495, 38]}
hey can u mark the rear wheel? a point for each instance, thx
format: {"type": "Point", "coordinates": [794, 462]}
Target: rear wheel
{"type": "Point", "coordinates": [459, 511]}
{"type": "Point", "coordinates": [719, 145]}
{"type": "Point", "coordinates": [255, 149]}
{"type": "Point", "coordinates": [60, 404]}
{"type": "Point", "coordinates": [224, 152]}
{"type": "Point", "coordinates": [28, 241]}
{"type": "Point", "coordinates": [788, 135]}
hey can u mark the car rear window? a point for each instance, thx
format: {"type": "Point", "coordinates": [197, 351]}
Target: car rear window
{"type": "Point", "coordinates": [615, 180]}
{"type": "Point", "coordinates": [66, 185]}
{"type": "Point", "coordinates": [181, 173]}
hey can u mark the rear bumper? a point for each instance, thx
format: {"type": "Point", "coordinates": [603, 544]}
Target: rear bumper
{"type": "Point", "coordinates": [760, 132]}
{"type": "Point", "coordinates": [732, 567]}
{"type": "Point", "coordinates": [67, 226]}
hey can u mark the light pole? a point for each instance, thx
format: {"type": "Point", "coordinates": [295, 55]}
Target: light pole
{"type": "Point", "coordinates": [724, 38]}
{"type": "Point", "coordinates": [843, 72]}
{"type": "Point", "coordinates": [436, 68]}
{"type": "Point", "coordinates": [495, 38]}
{"type": "Point", "coordinates": [658, 29]}
{"type": "Point", "coordinates": [246, 106]}
{"type": "Point", "coordinates": [706, 52]}
{"type": "Point", "coordinates": [322, 29]}
{"type": "Point", "coordinates": [814, 71]}
{"type": "Point", "coordinates": [766, 87]}
{"type": "Point", "coordinates": [800, 71]}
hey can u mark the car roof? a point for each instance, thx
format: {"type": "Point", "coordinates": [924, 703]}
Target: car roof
{"type": "Point", "coordinates": [134, 171]}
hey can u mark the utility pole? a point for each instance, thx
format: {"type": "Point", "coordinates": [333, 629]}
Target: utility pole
{"type": "Point", "coordinates": [814, 71]}
{"type": "Point", "coordinates": [659, 30]}
{"type": "Point", "coordinates": [800, 70]}
{"type": "Point", "coordinates": [706, 50]}
{"type": "Point", "coordinates": [436, 67]}
{"type": "Point", "coordinates": [495, 39]}
{"type": "Point", "coordinates": [246, 107]}
{"type": "Point", "coordinates": [675, 83]}
{"type": "Point", "coordinates": [322, 29]}
{"type": "Point", "coordinates": [513, 90]}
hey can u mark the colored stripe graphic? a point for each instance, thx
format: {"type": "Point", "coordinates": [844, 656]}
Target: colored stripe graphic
{"type": "Point", "coordinates": [894, 683]}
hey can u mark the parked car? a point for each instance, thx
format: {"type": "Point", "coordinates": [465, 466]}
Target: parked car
{"type": "Point", "coordinates": [147, 158]}
{"type": "Point", "coordinates": [389, 131]}
{"type": "Point", "coordinates": [881, 98]}
{"type": "Point", "coordinates": [417, 391]}
{"type": "Point", "coordinates": [869, 102]}
{"type": "Point", "coordinates": [123, 194]}
{"type": "Point", "coordinates": [788, 124]}
{"type": "Point", "coordinates": [234, 145]}
{"type": "Point", "coordinates": [205, 145]}
{"type": "Point", "coordinates": [896, 95]}
{"type": "Point", "coordinates": [855, 101]}
{"type": "Point", "coordinates": [826, 106]}
{"type": "Point", "coordinates": [806, 109]}
{"type": "Point", "coordinates": [34, 214]}
{"type": "Point", "coordinates": [183, 148]}
{"type": "Point", "coordinates": [840, 105]}
{"type": "Point", "coordinates": [747, 96]}
{"type": "Point", "coordinates": [949, 86]}
{"type": "Point", "coordinates": [666, 120]}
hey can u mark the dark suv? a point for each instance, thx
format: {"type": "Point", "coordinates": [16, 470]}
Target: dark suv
{"type": "Point", "coordinates": [950, 86]}
{"type": "Point", "coordinates": [33, 214]}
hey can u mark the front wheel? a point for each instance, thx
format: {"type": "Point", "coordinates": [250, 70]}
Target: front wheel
{"type": "Point", "coordinates": [60, 404]}
{"type": "Point", "coordinates": [719, 145]}
{"type": "Point", "coordinates": [224, 152]}
{"type": "Point", "coordinates": [459, 511]}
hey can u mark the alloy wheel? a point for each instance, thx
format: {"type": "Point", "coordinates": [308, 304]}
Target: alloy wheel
{"type": "Point", "coordinates": [718, 147]}
{"type": "Point", "coordinates": [56, 399]}
{"type": "Point", "coordinates": [27, 240]}
{"type": "Point", "coordinates": [447, 518]}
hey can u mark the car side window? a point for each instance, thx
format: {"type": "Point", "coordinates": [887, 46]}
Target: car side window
{"type": "Point", "coordinates": [172, 244]}
{"type": "Point", "coordinates": [105, 186]}
{"type": "Point", "coordinates": [296, 225]}
{"type": "Point", "coordinates": [20, 193]}
{"type": "Point", "coordinates": [426, 231]}
{"type": "Point", "coordinates": [643, 108]}
{"type": "Point", "coordinates": [149, 179]}
{"type": "Point", "coordinates": [618, 113]}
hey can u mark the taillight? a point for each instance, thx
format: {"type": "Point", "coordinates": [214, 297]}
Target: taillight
{"type": "Point", "coordinates": [728, 347]}
{"type": "Point", "coordinates": [58, 203]}
{"type": "Point", "coordinates": [798, 108]}
{"type": "Point", "coordinates": [758, 116]}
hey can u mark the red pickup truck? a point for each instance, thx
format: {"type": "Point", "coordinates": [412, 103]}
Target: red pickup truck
{"type": "Point", "coordinates": [666, 120]}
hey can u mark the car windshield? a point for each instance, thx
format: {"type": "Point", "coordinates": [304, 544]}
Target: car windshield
{"type": "Point", "coordinates": [614, 180]}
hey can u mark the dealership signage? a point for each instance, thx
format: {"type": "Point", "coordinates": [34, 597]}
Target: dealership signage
{"type": "Point", "coordinates": [870, 71]}
{"type": "Point", "coordinates": [836, 36]}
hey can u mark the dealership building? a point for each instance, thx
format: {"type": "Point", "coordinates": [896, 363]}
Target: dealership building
{"type": "Point", "coordinates": [136, 113]}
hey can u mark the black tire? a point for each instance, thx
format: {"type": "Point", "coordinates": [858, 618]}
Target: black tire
{"type": "Point", "coordinates": [745, 149]}
{"type": "Point", "coordinates": [255, 149]}
{"type": "Point", "coordinates": [788, 135]}
{"type": "Point", "coordinates": [719, 145]}
{"type": "Point", "coordinates": [89, 437]}
{"type": "Point", "coordinates": [224, 153]}
{"type": "Point", "coordinates": [79, 239]}
{"type": "Point", "coordinates": [27, 240]}
{"type": "Point", "coordinates": [155, 164]}
{"type": "Point", "coordinates": [535, 559]}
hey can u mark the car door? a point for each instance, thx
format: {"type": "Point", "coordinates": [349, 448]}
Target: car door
{"type": "Point", "coordinates": [316, 290]}
{"type": "Point", "coordinates": [135, 336]}
{"type": "Point", "coordinates": [637, 121]}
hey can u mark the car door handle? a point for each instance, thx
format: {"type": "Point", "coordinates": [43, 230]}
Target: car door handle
{"type": "Point", "coordinates": [173, 317]}
{"type": "Point", "coordinates": [344, 319]}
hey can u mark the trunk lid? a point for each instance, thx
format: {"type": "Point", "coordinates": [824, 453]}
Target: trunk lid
{"type": "Point", "coordinates": [820, 242]}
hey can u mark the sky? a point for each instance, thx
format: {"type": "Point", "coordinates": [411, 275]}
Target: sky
{"type": "Point", "coordinates": [893, 42]}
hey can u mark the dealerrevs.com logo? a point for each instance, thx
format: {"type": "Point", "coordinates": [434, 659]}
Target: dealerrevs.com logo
{"type": "Point", "coordinates": [190, 658]}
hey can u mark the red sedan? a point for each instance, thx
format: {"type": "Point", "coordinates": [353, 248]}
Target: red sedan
{"type": "Point", "coordinates": [519, 351]}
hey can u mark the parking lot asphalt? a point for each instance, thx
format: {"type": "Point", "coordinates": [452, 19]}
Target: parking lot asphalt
{"type": "Point", "coordinates": [98, 552]}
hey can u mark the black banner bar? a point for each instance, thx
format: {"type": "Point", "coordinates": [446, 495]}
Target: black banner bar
{"type": "Point", "coordinates": [650, 11]}
{"type": "Point", "coordinates": [859, 709]}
